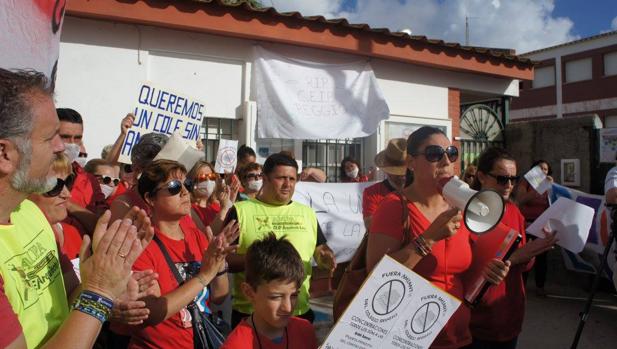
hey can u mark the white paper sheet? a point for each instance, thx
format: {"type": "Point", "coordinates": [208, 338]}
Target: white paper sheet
{"type": "Point", "coordinates": [538, 180]}
{"type": "Point", "coordinates": [571, 220]}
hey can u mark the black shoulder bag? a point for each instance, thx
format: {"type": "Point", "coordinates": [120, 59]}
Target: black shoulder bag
{"type": "Point", "coordinates": [206, 335]}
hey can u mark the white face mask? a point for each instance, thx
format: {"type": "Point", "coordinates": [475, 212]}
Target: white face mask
{"type": "Point", "coordinates": [206, 187]}
{"type": "Point", "coordinates": [255, 185]}
{"type": "Point", "coordinates": [107, 190]}
{"type": "Point", "coordinates": [71, 150]}
{"type": "Point", "coordinates": [81, 161]}
{"type": "Point", "coordinates": [353, 173]}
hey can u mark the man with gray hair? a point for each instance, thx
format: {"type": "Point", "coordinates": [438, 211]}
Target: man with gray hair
{"type": "Point", "coordinates": [34, 309]}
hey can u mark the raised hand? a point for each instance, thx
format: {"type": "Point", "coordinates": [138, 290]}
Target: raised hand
{"type": "Point", "coordinates": [444, 226]}
{"type": "Point", "coordinates": [128, 308]}
{"type": "Point", "coordinates": [127, 123]}
{"type": "Point", "coordinates": [107, 270]}
{"type": "Point", "coordinates": [214, 257]}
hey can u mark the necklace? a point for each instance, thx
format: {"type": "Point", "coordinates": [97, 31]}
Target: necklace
{"type": "Point", "coordinates": [257, 334]}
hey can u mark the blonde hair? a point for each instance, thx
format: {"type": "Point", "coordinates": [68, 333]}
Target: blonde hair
{"type": "Point", "coordinates": [61, 164]}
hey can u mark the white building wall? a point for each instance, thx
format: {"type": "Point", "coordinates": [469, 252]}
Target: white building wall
{"type": "Point", "coordinates": [102, 64]}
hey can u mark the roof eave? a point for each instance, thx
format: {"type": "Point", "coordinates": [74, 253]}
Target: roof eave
{"type": "Point", "coordinates": [296, 30]}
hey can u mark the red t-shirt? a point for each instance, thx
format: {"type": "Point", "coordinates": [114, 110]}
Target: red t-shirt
{"type": "Point", "coordinates": [359, 179]}
{"type": "Point", "coordinates": [186, 254]}
{"type": "Point", "coordinates": [72, 240]}
{"type": "Point", "coordinates": [499, 316]}
{"type": "Point", "coordinates": [207, 214]}
{"type": "Point", "coordinates": [120, 189]}
{"type": "Point", "coordinates": [443, 267]}
{"type": "Point", "coordinates": [86, 191]}
{"type": "Point", "coordinates": [373, 196]}
{"type": "Point", "coordinates": [11, 328]}
{"type": "Point", "coordinates": [300, 335]}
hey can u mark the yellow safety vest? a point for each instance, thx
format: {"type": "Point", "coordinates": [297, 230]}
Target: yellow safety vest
{"type": "Point", "coordinates": [30, 269]}
{"type": "Point", "coordinates": [296, 221]}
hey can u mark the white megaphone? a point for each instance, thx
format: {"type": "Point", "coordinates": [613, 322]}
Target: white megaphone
{"type": "Point", "coordinates": [482, 210]}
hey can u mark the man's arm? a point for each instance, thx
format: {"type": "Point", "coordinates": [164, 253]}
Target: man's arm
{"type": "Point", "coordinates": [125, 125]}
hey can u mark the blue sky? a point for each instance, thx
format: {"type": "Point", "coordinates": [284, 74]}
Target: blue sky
{"type": "Point", "coordinates": [523, 25]}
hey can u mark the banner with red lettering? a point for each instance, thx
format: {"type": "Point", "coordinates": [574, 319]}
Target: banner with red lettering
{"type": "Point", "coordinates": [30, 34]}
{"type": "Point", "coordinates": [298, 99]}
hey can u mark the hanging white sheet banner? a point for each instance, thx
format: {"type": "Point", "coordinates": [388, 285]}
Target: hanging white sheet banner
{"type": "Point", "coordinates": [30, 34]}
{"type": "Point", "coordinates": [308, 100]}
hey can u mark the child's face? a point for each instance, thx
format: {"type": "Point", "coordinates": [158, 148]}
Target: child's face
{"type": "Point", "coordinates": [274, 302]}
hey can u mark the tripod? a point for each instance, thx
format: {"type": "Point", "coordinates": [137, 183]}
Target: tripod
{"type": "Point", "coordinates": [596, 280]}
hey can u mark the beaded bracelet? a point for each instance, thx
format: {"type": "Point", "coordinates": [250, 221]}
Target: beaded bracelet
{"type": "Point", "coordinates": [94, 304]}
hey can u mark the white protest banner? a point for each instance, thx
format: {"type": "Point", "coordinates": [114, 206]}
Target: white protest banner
{"type": "Point", "coordinates": [308, 100]}
{"type": "Point", "coordinates": [394, 308]}
{"type": "Point", "coordinates": [339, 211]}
{"type": "Point", "coordinates": [30, 34]}
{"type": "Point", "coordinates": [226, 156]}
{"type": "Point", "coordinates": [571, 220]}
{"type": "Point", "coordinates": [163, 111]}
{"type": "Point", "coordinates": [538, 180]}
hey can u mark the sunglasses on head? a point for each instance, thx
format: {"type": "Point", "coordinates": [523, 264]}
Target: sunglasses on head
{"type": "Point", "coordinates": [434, 153]}
{"type": "Point", "coordinates": [108, 180]}
{"type": "Point", "coordinates": [503, 180]}
{"type": "Point", "coordinates": [254, 176]}
{"type": "Point", "coordinates": [174, 187]}
{"type": "Point", "coordinates": [60, 184]}
{"type": "Point", "coordinates": [204, 177]}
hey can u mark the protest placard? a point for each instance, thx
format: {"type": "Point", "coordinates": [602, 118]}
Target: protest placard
{"type": "Point", "coordinates": [394, 308]}
{"type": "Point", "coordinates": [226, 156]}
{"type": "Point", "coordinates": [163, 111]}
{"type": "Point", "coordinates": [339, 212]}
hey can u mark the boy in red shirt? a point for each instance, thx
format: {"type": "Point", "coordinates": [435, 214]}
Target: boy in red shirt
{"type": "Point", "coordinates": [274, 273]}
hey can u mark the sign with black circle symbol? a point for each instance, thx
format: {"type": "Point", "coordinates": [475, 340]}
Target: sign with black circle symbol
{"type": "Point", "coordinates": [388, 297]}
{"type": "Point", "coordinates": [228, 157]}
{"type": "Point", "coordinates": [425, 317]}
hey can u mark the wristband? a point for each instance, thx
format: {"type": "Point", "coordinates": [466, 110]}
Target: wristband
{"type": "Point", "coordinates": [201, 280]}
{"type": "Point", "coordinates": [224, 271]}
{"type": "Point", "coordinates": [422, 247]}
{"type": "Point", "coordinates": [93, 304]}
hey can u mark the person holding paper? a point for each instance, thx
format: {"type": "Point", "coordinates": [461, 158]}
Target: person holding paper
{"type": "Point", "coordinates": [532, 204]}
{"type": "Point", "coordinates": [497, 320]}
{"type": "Point", "coordinates": [438, 245]}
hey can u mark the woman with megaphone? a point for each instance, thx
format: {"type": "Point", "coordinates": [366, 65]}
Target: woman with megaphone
{"type": "Point", "coordinates": [420, 229]}
{"type": "Point", "coordinates": [497, 319]}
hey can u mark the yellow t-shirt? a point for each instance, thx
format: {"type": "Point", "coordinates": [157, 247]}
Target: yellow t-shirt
{"type": "Point", "coordinates": [30, 269]}
{"type": "Point", "coordinates": [296, 221]}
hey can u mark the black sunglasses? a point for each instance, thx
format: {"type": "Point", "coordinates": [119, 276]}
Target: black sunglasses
{"type": "Point", "coordinates": [255, 176]}
{"type": "Point", "coordinates": [60, 184]}
{"type": "Point", "coordinates": [503, 180]}
{"type": "Point", "coordinates": [174, 187]}
{"type": "Point", "coordinates": [434, 153]}
{"type": "Point", "coordinates": [108, 180]}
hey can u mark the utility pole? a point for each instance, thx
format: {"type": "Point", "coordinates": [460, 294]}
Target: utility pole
{"type": "Point", "coordinates": [467, 18]}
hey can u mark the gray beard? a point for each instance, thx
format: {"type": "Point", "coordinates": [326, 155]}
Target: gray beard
{"type": "Point", "coordinates": [20, 181]}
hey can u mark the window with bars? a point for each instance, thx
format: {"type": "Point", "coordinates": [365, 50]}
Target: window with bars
{"type": "Point", "coordinates": [327, 154]}
{"type": "Point", "coordinates": [214, 129]}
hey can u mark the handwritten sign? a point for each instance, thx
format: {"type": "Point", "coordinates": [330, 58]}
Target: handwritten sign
{"type": "Point", "coordinates": [312, 100]}
{"type": "Point", "coordinates": [538, 180]}
{"type": "Point", "coordinates": [226, 157]}
{"type": "Point", "coordinates": [395, 308]}
{"type": "Point", "coordinates": [339, 211]}
{"type": "Point", "coordinates": [163, 111]}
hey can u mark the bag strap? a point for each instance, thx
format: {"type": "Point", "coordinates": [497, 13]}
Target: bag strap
{"type": "Point", "coordinates": [170, 263]}
{"type": "Point", "coordinates": [405, 219]}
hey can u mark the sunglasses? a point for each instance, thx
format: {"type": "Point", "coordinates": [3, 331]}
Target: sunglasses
{"type": "Point", "coordinates": [60, 184]}
{"type": "Point", "coordinates": [107, 180]}
{"type": "Point", "coordinates": [434, 153]}
{"type": "Point", "coordinates": [174, 187]}
{"type": "Point", "coordinates": [204, 177]}
{"type": "Point", "coordinates": [254, 176]}
{"type": "Point", "coordinates": [503, 180]}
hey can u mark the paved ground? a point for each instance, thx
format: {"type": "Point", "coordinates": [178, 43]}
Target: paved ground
{"type": "Point", "coordinates": [550, 321]}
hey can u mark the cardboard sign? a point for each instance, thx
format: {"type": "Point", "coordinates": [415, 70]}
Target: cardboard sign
{"type": "Point", "coordinates": [339, 212]}
{"type": "Point", "coordinates": [395, 308]}
{"type": "Point", "coordinates": [163, 111]}
{"type": "Point", "coordinates": [226, 157]}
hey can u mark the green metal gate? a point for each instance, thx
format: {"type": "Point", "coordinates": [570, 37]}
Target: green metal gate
{"type": "Point", "coordinates": [481, 127]}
